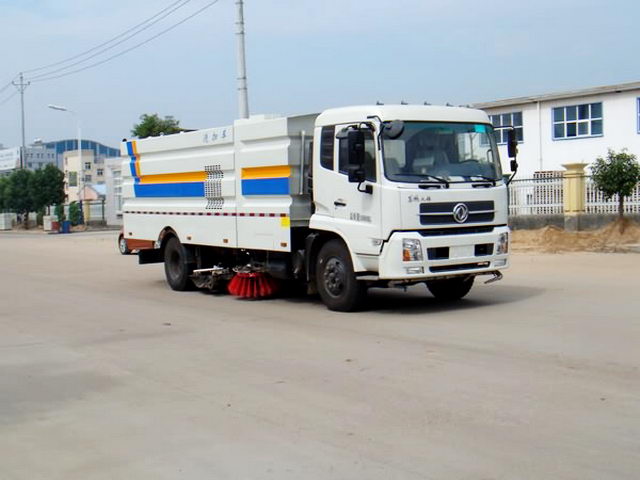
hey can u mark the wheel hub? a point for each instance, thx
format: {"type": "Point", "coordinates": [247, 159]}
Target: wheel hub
{"type": "Point", "coordinates": [334, 276]}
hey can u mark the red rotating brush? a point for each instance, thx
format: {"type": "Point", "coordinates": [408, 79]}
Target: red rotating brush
{"type": "Point", "coordinates": [252, 285]}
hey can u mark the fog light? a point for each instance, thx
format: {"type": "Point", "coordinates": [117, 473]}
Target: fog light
{"type": "Point", "coordinates": [414, 270]}
{"type": "Point", "coordinates": [411, 250]}
{"type": "Point", "coordinates": [503, 244]}
{"type": "Point", "coordinates": [500, 263]}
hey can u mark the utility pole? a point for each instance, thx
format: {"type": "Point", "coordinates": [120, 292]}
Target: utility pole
{"type": "Point", "coordinates": [22, 86]}
{"type": "Point", "coordinates": [243, 96]}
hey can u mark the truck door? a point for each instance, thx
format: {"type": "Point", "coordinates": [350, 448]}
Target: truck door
{"type": "Point", "coordinates": [352, 213]}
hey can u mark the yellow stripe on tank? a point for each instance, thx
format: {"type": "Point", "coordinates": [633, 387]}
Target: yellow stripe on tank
{"type": "Point", "coordinates": [174, 177]}
{"type": "Point", "coordinates": [134, 147]}
{"type": "Point", "coordinates": [277, 171]}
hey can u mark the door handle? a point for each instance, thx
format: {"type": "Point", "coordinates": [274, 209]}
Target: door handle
{"type": "Point", "coordinates": [340, 203]}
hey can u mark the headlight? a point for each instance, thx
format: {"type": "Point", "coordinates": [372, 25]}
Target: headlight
{"type": "Point", "coordinates": [503, 244]}
{"type": "Point", "coordinates": [411, 250]}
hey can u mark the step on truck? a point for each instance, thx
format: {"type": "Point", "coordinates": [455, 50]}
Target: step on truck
{"type": "Point", "coordinates": [331, 203]}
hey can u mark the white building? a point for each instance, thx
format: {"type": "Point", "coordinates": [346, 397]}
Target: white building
{"type": "Point", "coordinates": [91, 172]}
{"type": "Point", "coordinates": [113, 182]}
{"type": "Point", "coordinates": [9, 160]}
{"type": "Point", "coordinates": [568, 127]}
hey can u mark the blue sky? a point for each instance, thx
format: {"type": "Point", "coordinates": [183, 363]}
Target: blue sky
{"type": "Point", "coordinates": [305, 56]}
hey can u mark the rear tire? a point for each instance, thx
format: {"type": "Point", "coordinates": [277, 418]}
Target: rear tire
{"type": "Point", "coordinates": [336, 281]}
{"type": "Point", "coordinates": [176, 266]}
{"type": "Point", "coordinates": [451, 289]}
{"type": "Point", "coordinates": [122, 245]}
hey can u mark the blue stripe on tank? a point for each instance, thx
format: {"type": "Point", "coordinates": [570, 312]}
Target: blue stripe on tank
{"type": "Point", "coordinates": [265, 186]}
{"type": "Point", "coordinates": [191, 189]}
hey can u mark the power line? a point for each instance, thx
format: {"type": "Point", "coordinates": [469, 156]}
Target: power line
{"type": "Point", "coordinates": [8, 98]}
{"type": "Point", "coordinates": [182, 3]}
{"type": "Point", "coordinates": [81, 54]}
{"type": "Point", "coordinates": [2, 89]}
{"type": "Point", "coordinates": [197, 12]}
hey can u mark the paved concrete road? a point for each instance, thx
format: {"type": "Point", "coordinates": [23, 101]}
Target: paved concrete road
{"type": "Point", "coordinates": [107, 374]}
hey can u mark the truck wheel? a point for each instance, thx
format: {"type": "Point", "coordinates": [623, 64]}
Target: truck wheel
{"type": "Point", "coordinates": [450, 289]}
{"type": "Point", "coordinates": [176, 267]}
{"type": "Point", "coordinates": [122, 245]}
{"type": "Point", "coordinates": [337, 284]}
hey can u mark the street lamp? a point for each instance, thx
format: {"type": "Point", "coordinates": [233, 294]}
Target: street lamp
{"type": "Point", "coordinates": [81, 179]}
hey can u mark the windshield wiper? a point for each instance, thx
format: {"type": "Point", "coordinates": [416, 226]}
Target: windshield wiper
{"type": "Point", "coordinates": [484, 178]}
{"type": "Point", "coordinates": [434, 177]}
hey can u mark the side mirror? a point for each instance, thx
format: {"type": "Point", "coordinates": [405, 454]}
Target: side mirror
{"type": "Point", "coordinates": [514, 165]}
{"type": "Point", "coordinates": [512, 143]}
{"type": "Point", "coordinates": [356, 174]}
{"type": "Point", "coordinates": [343, 134]}
{"type": "Point", "coordinates": [355, 149]}
{"type": "Point", "coordinates": [355, 141]}
{"type": "Point", "coordinates": [393, 130]}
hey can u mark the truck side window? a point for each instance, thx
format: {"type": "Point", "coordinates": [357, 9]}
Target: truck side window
{"type": "Point", "coordinates": [369, 157]}
{"type": "Point", "coordinates": [327, 140]}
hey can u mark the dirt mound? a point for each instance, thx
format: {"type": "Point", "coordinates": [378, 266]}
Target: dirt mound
{"type": "Point", "coordinates": [615, 237]}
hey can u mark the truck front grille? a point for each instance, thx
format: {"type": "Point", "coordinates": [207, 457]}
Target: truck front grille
{"type": "Point", "coordinates": [455, 268]}
{"type": "Point", "coordinates": [443, 213]}
{"type": "Point", "coordinates": [439, 232]}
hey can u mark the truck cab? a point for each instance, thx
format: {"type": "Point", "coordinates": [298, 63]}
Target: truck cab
{"type": "Point", "coordinates": [415, 193]}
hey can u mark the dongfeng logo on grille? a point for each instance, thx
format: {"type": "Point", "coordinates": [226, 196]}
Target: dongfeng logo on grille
{"type": "Point", "coordinates": [460, 213]}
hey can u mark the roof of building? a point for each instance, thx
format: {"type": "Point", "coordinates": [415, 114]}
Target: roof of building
{"type": "Point", "coordinates": [622, 87]}
{"type": "Point", "coordinates": [99, 188]}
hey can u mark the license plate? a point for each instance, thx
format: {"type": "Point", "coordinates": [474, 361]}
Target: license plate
{"type": "Point", "coordinates": [461, 251]}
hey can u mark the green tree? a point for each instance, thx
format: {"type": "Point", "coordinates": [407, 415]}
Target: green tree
{"type": "Point", "coordinates": [617, 174]}
{"type": "Point", "coordinates": [4, 182]}
{"type": "Point", "coordinates": [46, 187]}
{"type": "Point", "coordinates": [74, 213]}
{"type": "Point", "coordinates": [52, 185]}
{"type": "Point", "coordinates": [153, 125]}
{"type": "Point", "coordinates": [19, 194]}
{"type": "Point", "coordinates": [37, 190]}
{"type": "Point", "coordinates": [59, 212]}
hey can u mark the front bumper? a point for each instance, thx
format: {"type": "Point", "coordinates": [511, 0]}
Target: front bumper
{"type": "Point", "coordinates": [443, 256]}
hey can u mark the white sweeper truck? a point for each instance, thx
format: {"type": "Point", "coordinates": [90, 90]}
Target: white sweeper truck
{"type": "Point", "coordinates": [333, 203]}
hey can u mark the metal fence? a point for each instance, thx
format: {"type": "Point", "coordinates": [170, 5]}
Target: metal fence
{"type": "Point", "coordinates": [595, 201]}
{"type": "Point", "coordinates": [544, 196]}
{"type": "Point", "coordinates": [536, 196]}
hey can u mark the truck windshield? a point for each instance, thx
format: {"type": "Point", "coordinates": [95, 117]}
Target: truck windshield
{"type": "Point", "coordinates": [451, 152]}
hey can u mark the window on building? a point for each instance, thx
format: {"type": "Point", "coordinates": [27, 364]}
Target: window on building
{"type": "Point", "coordinates": [327, 140]}
{"type": "Point", "coordinates": [73, 179]}
{"type": "Point", "coordinates": [87, 178]}
{"type": "Point", "coordinates": [100, 172]}
{"type": "Point", "coordinates": [501, 123]}
{"type": "Point", "coordinates": [87, 165]}
{"type": "Point", "coordinates": [577, 121]}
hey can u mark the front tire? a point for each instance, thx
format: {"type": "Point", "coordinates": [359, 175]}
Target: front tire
{"type": "Point", "coordinates": [335, 279]}
{"type": "Point", "coordinates": [451, 289]}
{"type": "Point", "coordinates": [176, 266]}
